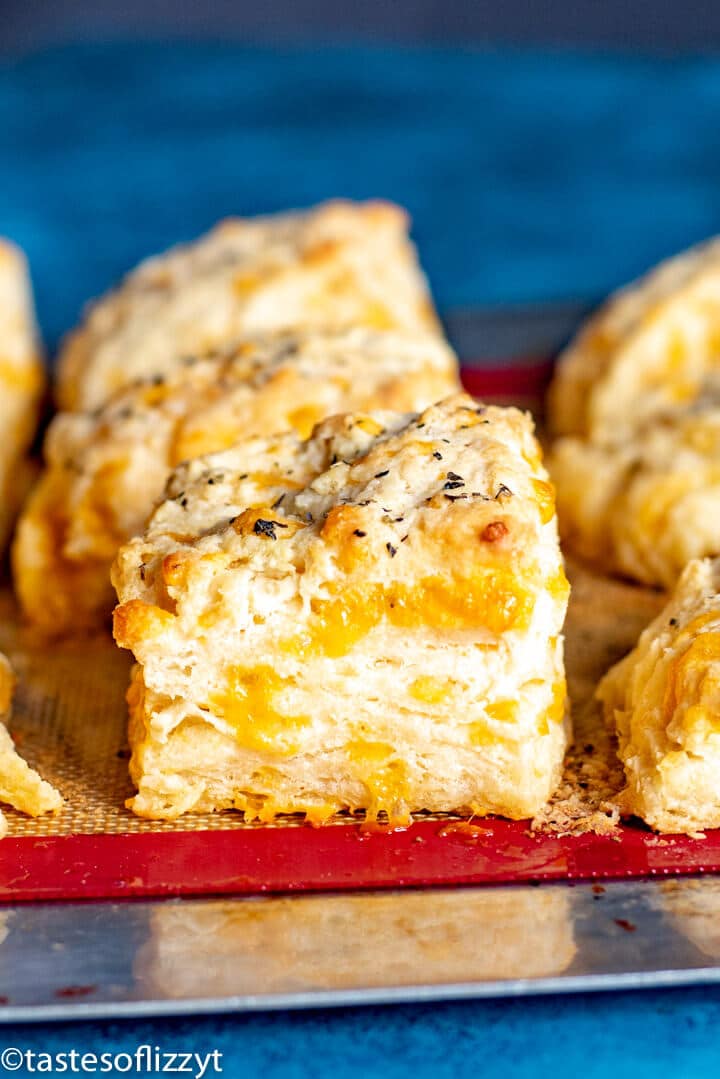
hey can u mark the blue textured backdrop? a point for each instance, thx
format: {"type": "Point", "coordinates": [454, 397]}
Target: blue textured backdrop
{"type": "Point", "coordinates": [529, 175]}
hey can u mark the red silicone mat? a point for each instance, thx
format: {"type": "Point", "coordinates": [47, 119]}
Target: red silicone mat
{"type": "Point", "coordinates": [339, 856]}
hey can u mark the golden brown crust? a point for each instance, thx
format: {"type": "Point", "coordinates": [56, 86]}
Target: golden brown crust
{"type": "Point", "coordinates": [340, 264]}
{"type": "Point", "coordinates": [348, 633]}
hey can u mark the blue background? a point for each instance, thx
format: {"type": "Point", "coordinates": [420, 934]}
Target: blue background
{"type": "Point", "coordinates": [530, 175]}
{"type": "Point", "coordinates": [539, 175]}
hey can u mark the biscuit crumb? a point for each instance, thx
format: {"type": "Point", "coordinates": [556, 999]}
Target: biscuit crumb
{"type": "Point", "coordinates": [589, 797]}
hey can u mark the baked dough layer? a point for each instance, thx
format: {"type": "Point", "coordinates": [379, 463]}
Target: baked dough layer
{"type": "Point", "coordinates": [375, 624]}
{"type": "Point", "coordinates": [105, 470]}
{"type": "Point", "coordinates": [22, 382]}
{"type": "Point", "coordinates": [645, 508]}
{"type": "Point", "coordinates": [337, 265]}
{"type": "Point", "coordinates": [663, 699]}
{"type": "Point", "coordinates": [20, 786]}
{"type": "Point", "coordinates": [652, 348]}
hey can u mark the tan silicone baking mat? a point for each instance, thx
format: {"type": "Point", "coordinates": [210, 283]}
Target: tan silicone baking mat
{"type": "Point", "coordinates": [69, 719]}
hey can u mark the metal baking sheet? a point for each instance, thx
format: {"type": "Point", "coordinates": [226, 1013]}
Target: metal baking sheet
{"type": "Point", "coordinates": [194, 956]}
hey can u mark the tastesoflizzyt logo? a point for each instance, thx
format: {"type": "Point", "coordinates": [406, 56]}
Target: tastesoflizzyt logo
{"type": "Point", "coordinates": [144, 1060]}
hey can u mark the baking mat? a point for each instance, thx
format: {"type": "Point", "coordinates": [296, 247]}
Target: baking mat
{"type": "Point", "coordinates": [69, 722]}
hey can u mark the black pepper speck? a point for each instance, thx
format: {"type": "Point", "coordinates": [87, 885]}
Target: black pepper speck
{"type": "Point", "coordinates": [267, 528]}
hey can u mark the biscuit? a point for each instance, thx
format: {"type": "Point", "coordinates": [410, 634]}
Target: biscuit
{"type": "Point", "coordinates": [651, 348]}
{"type": "Point", "coordinates": [663, 699]}
{"type": "Point", "coordinates": [22, 383]}
{"type": "Point", "coordinates": [340, 264]}
{"type": "Point", "coordinates": [369, 620]}
{"type": "Point", "coordinates": [645, 508]}
{"type": "Point", "coordinates": [20, 786]}
{"type": "Point", "coordinates": [106, 470]}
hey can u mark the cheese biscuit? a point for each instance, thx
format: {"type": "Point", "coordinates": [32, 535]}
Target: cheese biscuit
{"type": "Point", "coordinates": [340, 264]}
{"type": "Point", "coordinates": [368, 620]}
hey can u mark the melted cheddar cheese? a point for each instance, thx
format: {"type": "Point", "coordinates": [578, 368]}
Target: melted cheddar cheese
{"type": "Point", "coordinates": [304, 418]}
{"type": "Point", "coordinates": [430, 690]}
{"type": "Point", "coordinates": [385, 778]}
{"type": "Point", "coordinates": [545, 495]}
{"type": "Point", "coordinates": [682, 681]}
{"type": "Point", "coordinates": [249, 705]}
{"type": "Point", "coordinates": [23, 377]}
